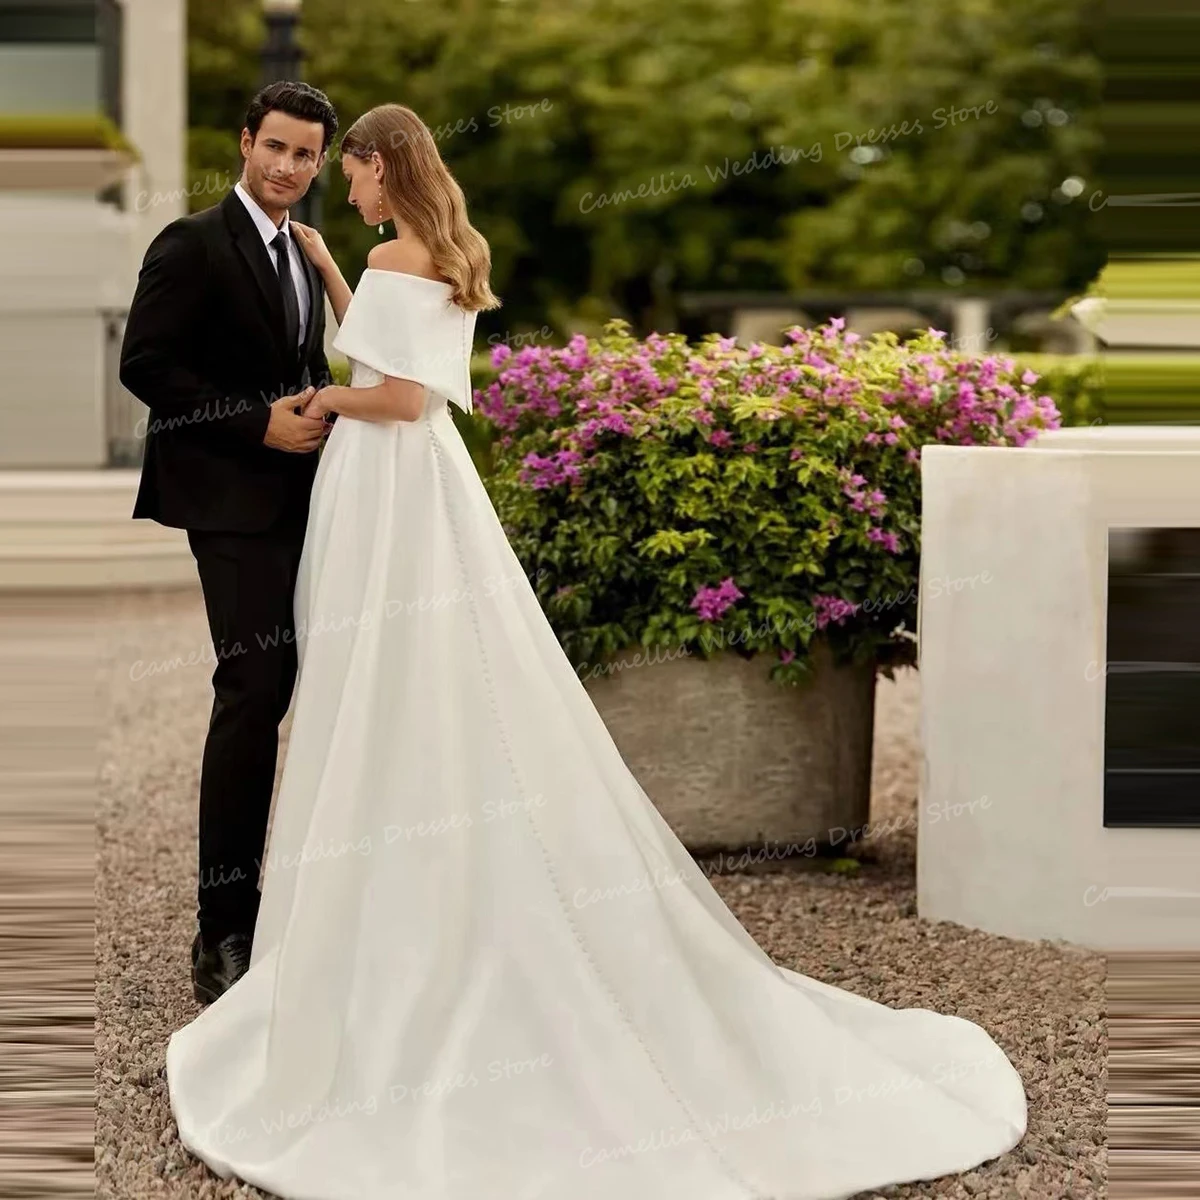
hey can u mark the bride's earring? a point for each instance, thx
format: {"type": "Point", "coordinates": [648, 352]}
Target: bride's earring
{"type": "Point", "coordinates": [381, 209]}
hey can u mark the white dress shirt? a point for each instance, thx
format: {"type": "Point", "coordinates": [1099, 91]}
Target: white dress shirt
{"type": "Point", "coordinates": [268, 231]}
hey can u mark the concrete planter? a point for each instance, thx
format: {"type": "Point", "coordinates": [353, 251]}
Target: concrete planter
{"type": "Point", "coordinates": [732, 759]}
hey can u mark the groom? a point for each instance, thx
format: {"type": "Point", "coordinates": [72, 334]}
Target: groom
{"type": "Point", "coordinates": [224, 343]}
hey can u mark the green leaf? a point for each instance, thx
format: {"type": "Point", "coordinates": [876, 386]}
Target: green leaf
{"type": "Point", "coordinates": [663, 543]}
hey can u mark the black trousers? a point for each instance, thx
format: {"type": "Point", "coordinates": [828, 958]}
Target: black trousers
{"type": "Point", "coordinates": [248, 582]}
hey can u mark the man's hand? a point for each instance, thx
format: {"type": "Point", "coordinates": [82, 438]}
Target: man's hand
{"type": "Point", "coordinates": [321, 404]}
{"type": "Point", "coordinates": [292, 431]}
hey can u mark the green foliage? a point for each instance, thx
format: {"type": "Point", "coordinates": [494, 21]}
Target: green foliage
{"type": "Point", "coordinates": [1122, 388]}
{"type": "Point", "coordinates": [225, 39]}
{"type": "Point", "coordinates": [618, 152]}
{"type": "Point", "coordinates": [62, 131]}
{"type": "Point", "coordinates": [1151, 277]}
{"type": "Point", "coordinates": [976, 112]}
{"type": "Point", "coordinates": [1075, 381]}
{"type": "Point", "coordinates": [845, 866]}
{"type": "Point", "coordinates": [711, 498]}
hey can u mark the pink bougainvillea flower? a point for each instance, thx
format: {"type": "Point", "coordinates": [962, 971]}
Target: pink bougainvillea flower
{"type": "Point", "coordinates": [711, 603]}
{"type": "Point", "coordinates": [888, 541]}
{"type": "Point", "coordinates": [548, 471]}
{"type": "Point", "coordinates": [832, 610]}
{"type": "Point", "coordinates": [616, 423]}
{"type": "Point", "coordinates": [630, 407]}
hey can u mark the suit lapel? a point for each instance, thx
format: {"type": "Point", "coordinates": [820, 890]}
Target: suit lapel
{"type": "Point", "coordinates": [257, 258]}
{"type": "Point", "coordinates": [315, 296]}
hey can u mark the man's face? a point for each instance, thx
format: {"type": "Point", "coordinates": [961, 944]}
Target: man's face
{"type": "Point", "coordinates": [281, 163]}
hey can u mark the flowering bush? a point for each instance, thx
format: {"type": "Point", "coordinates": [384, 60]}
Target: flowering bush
{"type": "Point", "coordinates": [715, 497]}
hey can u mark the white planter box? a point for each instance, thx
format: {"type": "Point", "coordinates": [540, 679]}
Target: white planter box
{"type": "Point", "coordinates": [1010, 835]}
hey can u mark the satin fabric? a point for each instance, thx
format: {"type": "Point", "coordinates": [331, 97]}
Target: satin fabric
{"type": "Point", "coordinates": [484, 966]}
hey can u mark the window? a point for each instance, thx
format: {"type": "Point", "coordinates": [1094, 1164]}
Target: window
{"type": "Point", "coordinates": [1152, 691]}
{"type": "Point", "coordinates": [60, 56]}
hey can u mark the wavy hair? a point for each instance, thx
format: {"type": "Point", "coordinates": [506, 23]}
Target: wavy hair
{"type": "Point", "coordinates": [426, 198]}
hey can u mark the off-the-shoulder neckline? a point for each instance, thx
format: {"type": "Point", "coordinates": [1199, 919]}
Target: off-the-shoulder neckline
{"type": "Point", "coordinates": [408, 275]}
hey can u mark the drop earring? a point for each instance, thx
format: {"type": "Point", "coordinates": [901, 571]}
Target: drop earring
{"type": "Point", "coordinates": [381, 209]}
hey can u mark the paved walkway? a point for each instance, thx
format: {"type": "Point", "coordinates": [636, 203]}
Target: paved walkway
{"type": "Point", "coordinates": [1043, 1003]}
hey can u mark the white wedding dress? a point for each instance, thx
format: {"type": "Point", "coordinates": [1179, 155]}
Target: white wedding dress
{"type": "Point", "coordinates": [484, 967]}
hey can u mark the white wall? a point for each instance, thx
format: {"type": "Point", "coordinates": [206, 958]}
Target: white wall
{"type": "Point", "coordinates": [1010, 835]}
{"type": "Point", "coordinates": [64, 260]}
{"type": "Point", "coordinates": [67, 261]}
{"type": "Point", "coordinates": [154, 102]}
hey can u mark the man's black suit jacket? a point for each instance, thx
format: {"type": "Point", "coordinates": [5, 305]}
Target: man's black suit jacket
{"type": "Point", "coordinates": [205, 350]}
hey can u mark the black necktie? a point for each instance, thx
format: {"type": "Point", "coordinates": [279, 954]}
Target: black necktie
{"type": "Point", "coordinates": [291, 308]}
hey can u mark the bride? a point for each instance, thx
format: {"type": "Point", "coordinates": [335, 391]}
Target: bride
{"type": "Point", "coordinates": [462, 984]}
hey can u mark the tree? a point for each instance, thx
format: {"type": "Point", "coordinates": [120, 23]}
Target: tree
{"type": "Point", "coordinates": [616, 152]}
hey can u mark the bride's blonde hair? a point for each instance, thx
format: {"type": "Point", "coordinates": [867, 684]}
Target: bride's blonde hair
{"type": "Point", "coordinates": [426, 198]}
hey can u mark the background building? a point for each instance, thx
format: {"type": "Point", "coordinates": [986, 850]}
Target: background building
{"type": "Point", "coordinates": [93, 150]}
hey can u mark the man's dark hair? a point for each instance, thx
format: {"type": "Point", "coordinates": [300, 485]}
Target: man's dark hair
{"type": "Point", "coordinates": [297, 100]}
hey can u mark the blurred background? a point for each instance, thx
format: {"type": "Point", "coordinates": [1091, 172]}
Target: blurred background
{"type": "Point", "coordinates": [708, 165]}
{"type": "Point", "coordinates": [729, 165]}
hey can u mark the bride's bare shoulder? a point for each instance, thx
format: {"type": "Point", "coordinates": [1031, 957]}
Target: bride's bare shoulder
{"type": "Point", "coordinates": [407, 257]}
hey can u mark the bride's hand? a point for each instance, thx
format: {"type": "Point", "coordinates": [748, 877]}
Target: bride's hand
{"type": "Point", "coordinates": [319, 405]}
{"type": "Point", "coordinates": [313, 244]}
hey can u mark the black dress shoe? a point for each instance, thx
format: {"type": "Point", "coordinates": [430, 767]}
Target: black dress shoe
{"type": "Point", "coordinates": [215, 969]}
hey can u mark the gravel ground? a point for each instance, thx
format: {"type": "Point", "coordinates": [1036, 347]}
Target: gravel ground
{"type": "Point", "coordinates": [1043, 1003]}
